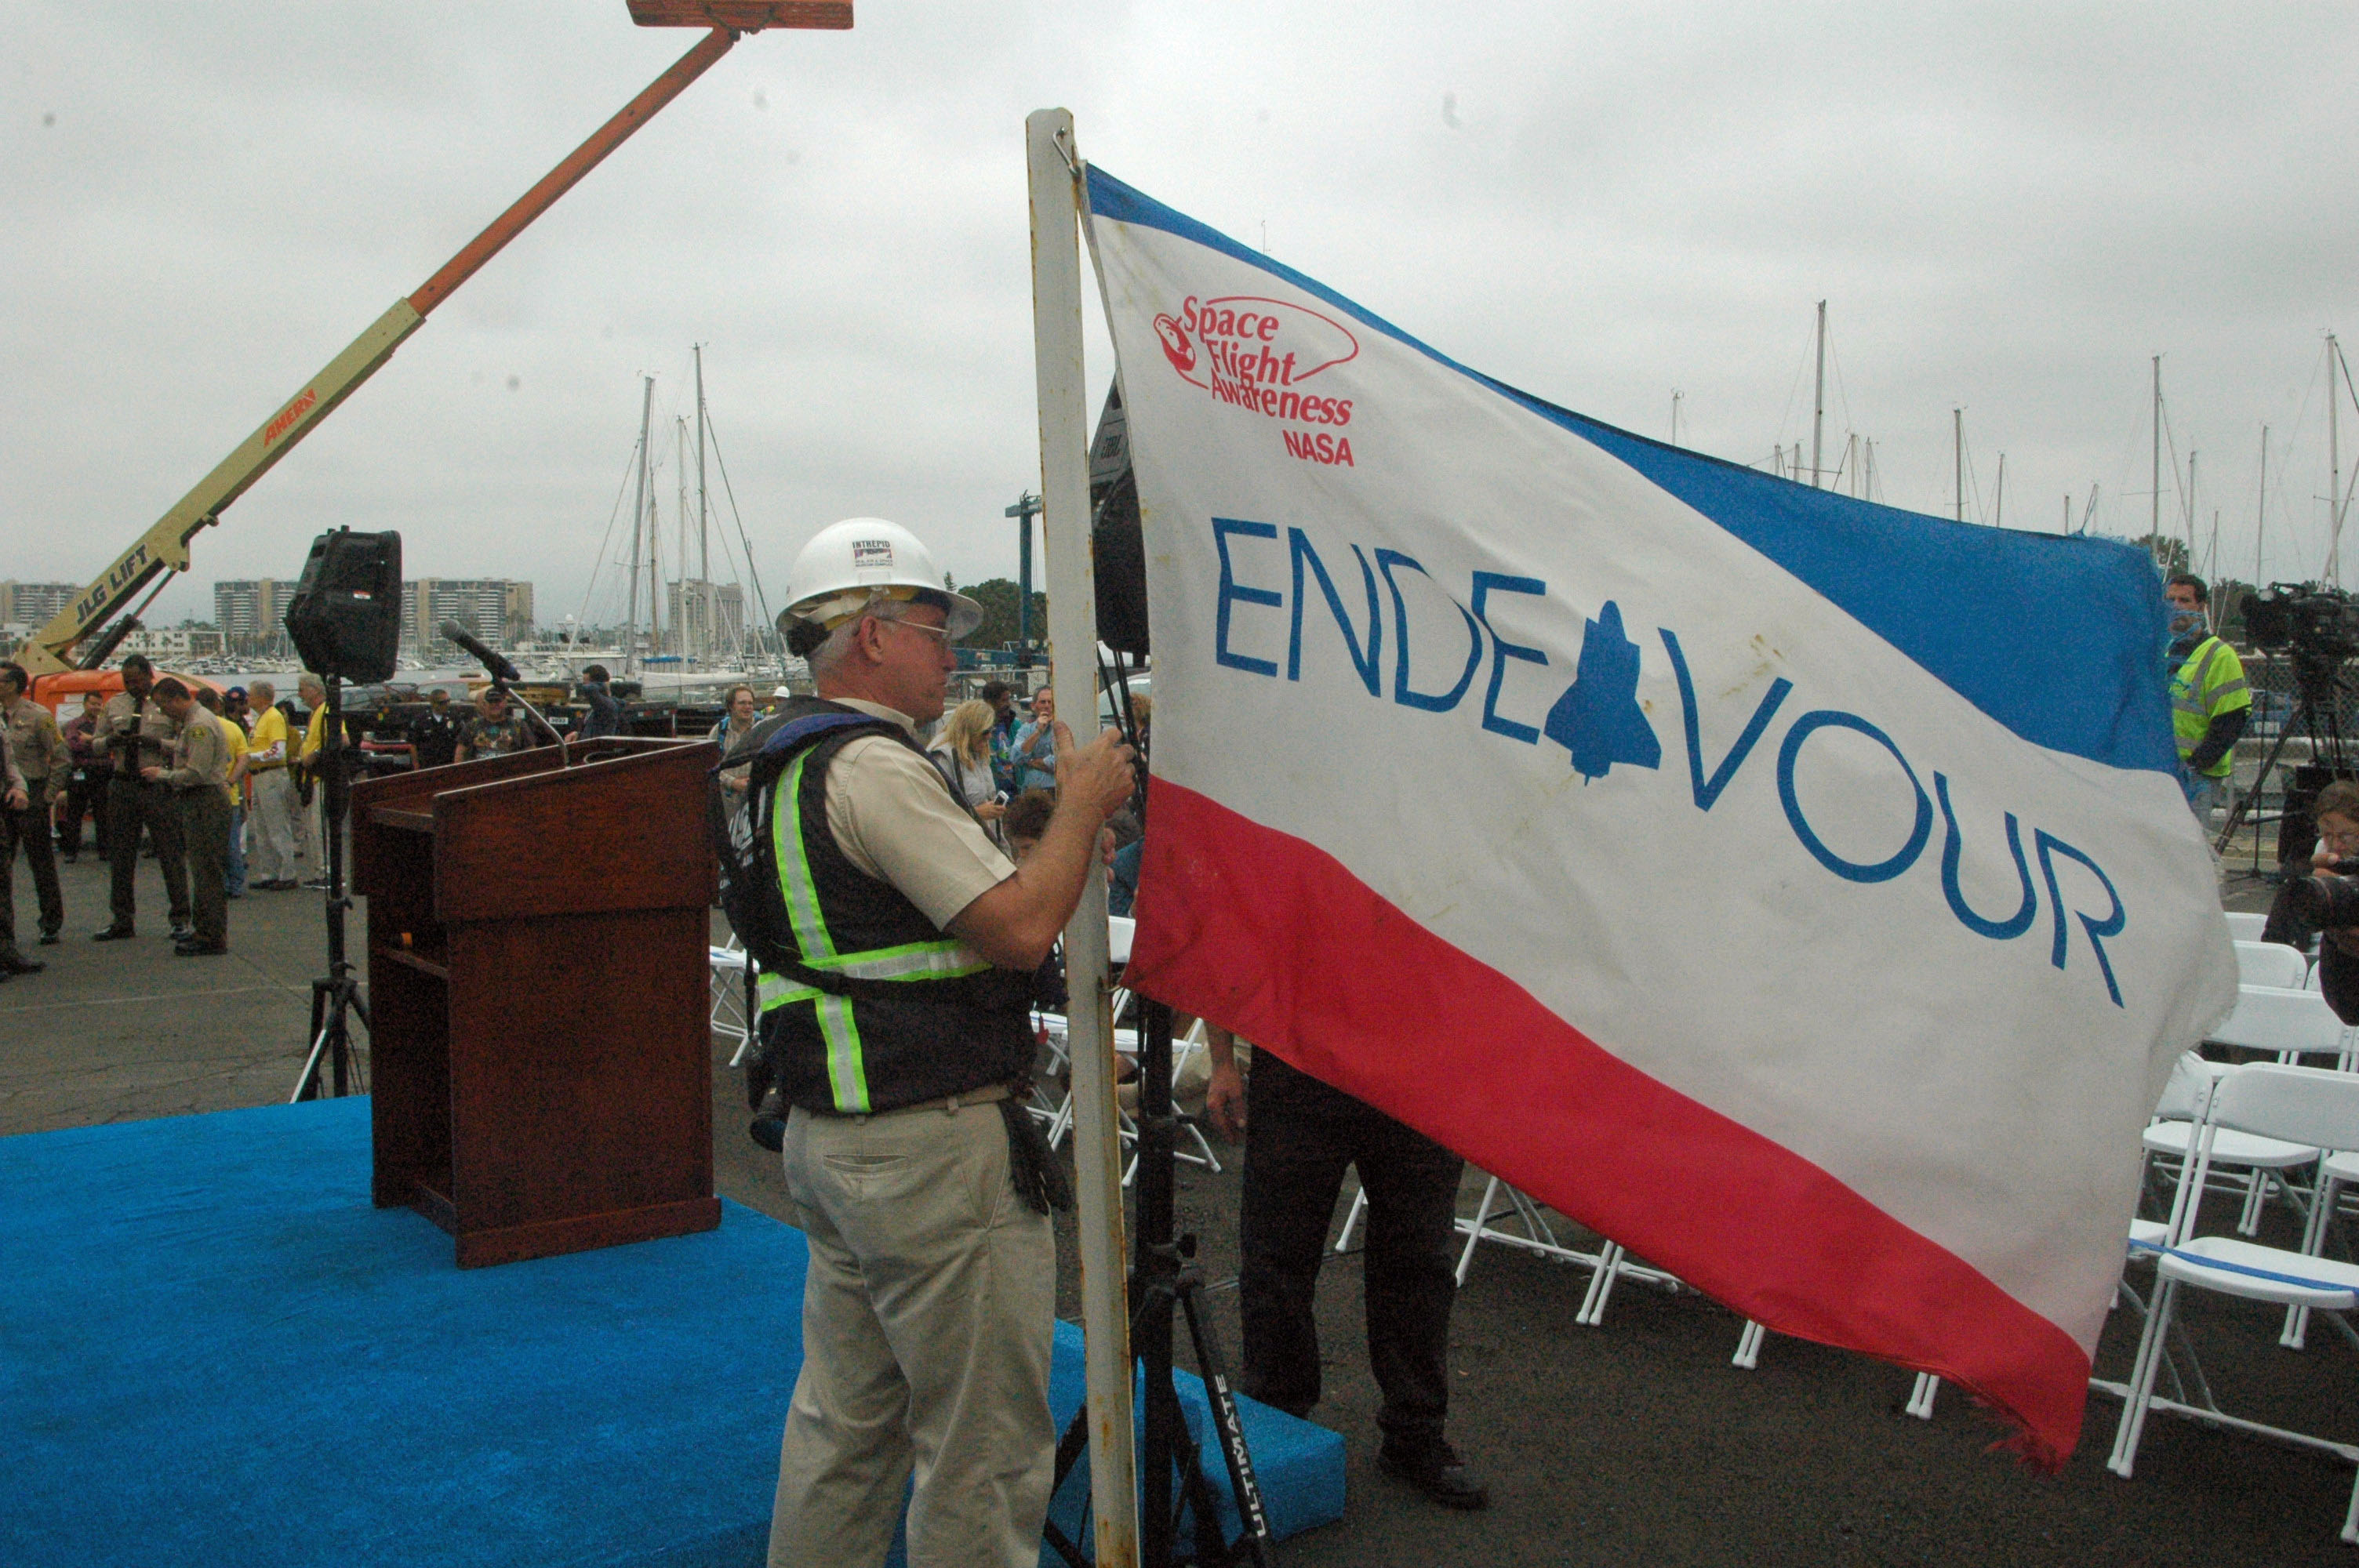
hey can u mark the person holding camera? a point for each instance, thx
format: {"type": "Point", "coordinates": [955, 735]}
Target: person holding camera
{"type": "Point", "coordinates": [197, 774]}
{"type": "Point", "coordinates": [2325, 905]}
{"type": "Point", "coordinates": [2210, 701]}
{"type": "Point", "coordinates": [141, 734]}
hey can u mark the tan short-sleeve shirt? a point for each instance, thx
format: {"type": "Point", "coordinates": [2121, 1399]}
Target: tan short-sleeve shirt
{"type": "Point", "coordinates": [895, 819]}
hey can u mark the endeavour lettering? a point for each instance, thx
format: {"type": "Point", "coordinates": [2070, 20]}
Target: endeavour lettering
{"type": "Point", "coordinates": [1600, 723]}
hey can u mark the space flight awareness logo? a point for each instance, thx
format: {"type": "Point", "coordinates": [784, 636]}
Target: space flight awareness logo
{"type": "Point", "coordinates": [1262, 355]}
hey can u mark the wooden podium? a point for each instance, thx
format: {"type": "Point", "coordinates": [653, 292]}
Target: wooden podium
{"type": "Point", "coordinates": [540, 1048]}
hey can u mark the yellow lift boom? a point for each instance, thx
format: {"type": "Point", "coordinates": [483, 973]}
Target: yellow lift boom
{"type": "Point", "coordinates": [69, 641]}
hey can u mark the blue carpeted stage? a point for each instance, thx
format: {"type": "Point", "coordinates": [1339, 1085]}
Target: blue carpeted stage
{"type": "Point", "coordinates": [213, 1350]}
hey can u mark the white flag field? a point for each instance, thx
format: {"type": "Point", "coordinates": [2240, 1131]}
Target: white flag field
{"type": "Point", "coordinates": [1793, 889]}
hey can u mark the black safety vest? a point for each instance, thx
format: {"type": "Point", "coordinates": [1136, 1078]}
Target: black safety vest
{"type": "Point", "coordinates": [866, 1005]}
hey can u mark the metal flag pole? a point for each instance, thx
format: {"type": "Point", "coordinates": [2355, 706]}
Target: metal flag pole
{"type": "Point", "coordinates": [1072, 643]}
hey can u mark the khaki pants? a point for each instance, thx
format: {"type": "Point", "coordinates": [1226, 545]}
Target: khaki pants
{"type": "Point", "coordinates": [274, 819]}
{"type": "Point", "coordinates": [927, 1315]}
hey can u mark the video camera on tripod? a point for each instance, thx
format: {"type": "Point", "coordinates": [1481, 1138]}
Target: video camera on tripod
{"type": "Point", "coordinates": [2304, 621]}
{"type": "Point", "coordinates": [2318, 628]}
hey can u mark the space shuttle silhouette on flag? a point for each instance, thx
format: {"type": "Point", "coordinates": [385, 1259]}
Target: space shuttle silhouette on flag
{"type": "Point", "coordinates": [1796, 890]}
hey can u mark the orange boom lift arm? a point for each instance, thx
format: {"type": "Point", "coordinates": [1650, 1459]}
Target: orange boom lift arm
{"type": "Point", "coordinates": [66, 641]}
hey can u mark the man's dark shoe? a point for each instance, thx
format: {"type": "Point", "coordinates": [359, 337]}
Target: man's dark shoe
{"type": "Point", "coordinates": [15, 962]}
{"type": "Point", "coordinates": [1435, 1469]}
{"type": "Point", "coordinates": [113, 934]}
{"type": "Point", "coordinates": [49, 939]}
{"type": "Point", "coordinates": [183, 933]}
{"type": "Point", "coordinates": [194, 949]}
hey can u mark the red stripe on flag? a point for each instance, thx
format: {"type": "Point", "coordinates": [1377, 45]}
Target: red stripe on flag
{"type": "Point", "coordinates": [1274, 939]}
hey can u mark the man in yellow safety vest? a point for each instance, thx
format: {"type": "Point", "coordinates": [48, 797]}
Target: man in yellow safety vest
{"type": "Point", "coordinates": [2210, 702]}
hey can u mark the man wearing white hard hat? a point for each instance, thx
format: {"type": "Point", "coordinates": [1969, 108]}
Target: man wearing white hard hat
{"type": "Point", "coordinates": [897, 946]}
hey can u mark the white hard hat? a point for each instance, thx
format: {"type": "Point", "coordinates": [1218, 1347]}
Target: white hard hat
{"type": "Point", "coordinates": [851, 565]}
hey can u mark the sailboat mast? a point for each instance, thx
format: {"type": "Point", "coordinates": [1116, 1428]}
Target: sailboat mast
{"type": "Point", "coordinates": [2261, 510]}
{"type": "Point", "coordinates": [684, 619]}
{"type": "Point", "coordinates": [1998, 506]}
{"type": "Point", "coordinates": [703, 514]}
{"type": "Point", "coordinates": [2335, 475]}
{"type": "Point", "coordinates": [1958, 457]}
{"type": "Point", "coordinates": [638, 519]}
{"type": "Point", "coordinates": [2154, 517]}
{"type": "Point", "coordinates": [2190, 510]}
{"type": "Point", "coordinates": [1819, 403]}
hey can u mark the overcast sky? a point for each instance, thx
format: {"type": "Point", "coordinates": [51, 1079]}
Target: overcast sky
{"type": "Point", "coordinates": [2008, 209]}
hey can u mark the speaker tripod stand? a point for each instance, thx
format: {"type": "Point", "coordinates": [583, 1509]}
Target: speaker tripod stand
{"type": "Point", "coordinates": [336, 996]}
{"type": "Point", "coordinates": [1165, 1280]}
{"type": "Point", "coordinates": [2316, 715]}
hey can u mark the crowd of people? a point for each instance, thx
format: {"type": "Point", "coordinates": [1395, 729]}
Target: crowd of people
{"type": "Point", "coordinates": [221, 790]}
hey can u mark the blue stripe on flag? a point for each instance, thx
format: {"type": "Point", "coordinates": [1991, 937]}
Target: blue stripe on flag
{"type": "Point", "coordinates": [2059, 639]}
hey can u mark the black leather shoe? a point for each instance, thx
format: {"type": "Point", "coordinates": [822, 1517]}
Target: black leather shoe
{"type": "Point", "coordinates": [15, 962]}
{"type": "Point", "coordinates": [184, 932]}
{"type": "Point", "coordinates": [49, 939]}
{"type": "Point", "coordinates": [193, 949]}
{"type": "Point", "coordinates": [114, 934]}
{"type": "Point", "coordinates": [1435, 1469]}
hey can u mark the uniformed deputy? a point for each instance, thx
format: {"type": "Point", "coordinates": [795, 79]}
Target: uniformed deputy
{"type": "Point", "coordinates": [896, 1020]}
{"type": "Point", "coordinates": [141, 735]}
{"type": "Point", "coordinates": [2210, 701]}
{"type": "Point", "coordinates": [41, 757]}
{"type": "Point", "coordinates": [435, 734]}
{"type": "Point", "coordinates": [198, 777]}
{"type": "Point", "coordinates": [13, 796]}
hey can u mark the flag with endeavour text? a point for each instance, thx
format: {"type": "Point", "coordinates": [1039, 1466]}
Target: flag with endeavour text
{"type": "Point", "coordinates": [1793, 889]}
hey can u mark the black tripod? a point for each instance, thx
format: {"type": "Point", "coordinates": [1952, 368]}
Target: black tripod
{"type": "Point", "coordinates": [1164, 1276]}
{"type": "Point", "coordinates": [2317, 715]}
{"type": "Point", "coordinates": [337, 996]}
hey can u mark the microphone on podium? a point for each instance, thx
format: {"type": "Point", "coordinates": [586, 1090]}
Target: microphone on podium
{"type": "Point", "coordinates": [496, 663]}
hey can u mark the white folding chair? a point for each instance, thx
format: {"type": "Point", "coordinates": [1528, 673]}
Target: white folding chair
{"type": "Point", "coordinates": [2270, 964]}
{"type": "Point", "coordinates": [2312, 1105]}
{"type": "Point", "coordinates": [2246, 927]}
{"type": "Point", "coordinates": [733, 1016]}
{"type": "Point", "coordinates": [1053, 1094]}
{"type": "Point", "coordinates": [2335, 1172]}
{"type": "Point", "coordinates": [2285, 1023]}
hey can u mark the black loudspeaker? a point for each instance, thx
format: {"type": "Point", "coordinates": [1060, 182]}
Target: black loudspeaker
{"type": "Point", "coordinates": [1114, 537]}
{"type": "Point", "coordinates": [345, 617]}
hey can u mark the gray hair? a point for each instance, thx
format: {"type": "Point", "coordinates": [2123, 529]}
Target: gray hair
{"type": "Point", "coordinates": [825, 658]}
{"type": "Point", "coordinates": [310, 683]}
{"type": "Point", "coordinates": [263, 690]}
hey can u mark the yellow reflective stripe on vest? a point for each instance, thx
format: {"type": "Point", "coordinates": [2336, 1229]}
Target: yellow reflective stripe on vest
{"type": "Point", "coordinates": [2203, 687]}
{"type": "Point", "coordinates": [776, 991]}
{"type": "Point", "coordinates": [947, 959]}
{"type": "Point", "coordinates": [847, 1077]}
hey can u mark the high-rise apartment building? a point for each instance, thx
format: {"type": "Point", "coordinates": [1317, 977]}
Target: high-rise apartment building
{"type": "Point", "coordinates": [703, 619]}
{"type": "Point", "coordinates": [251, 613]}
{"type": "Point", "coordinates": [35, 604]}
{"type": "Point", "coordinates": [497, 610]}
